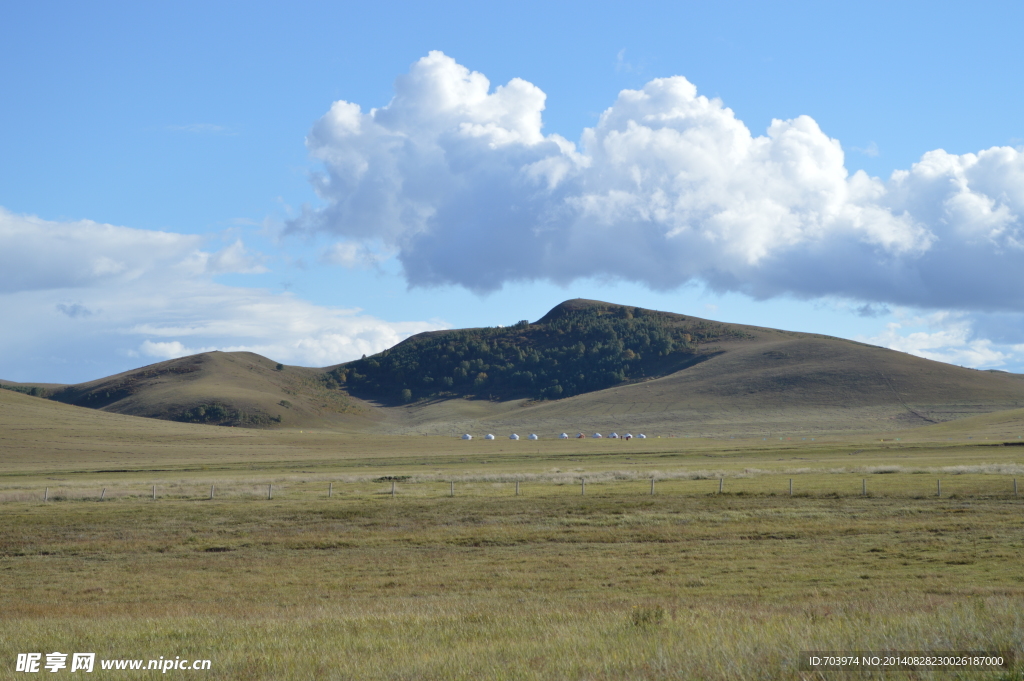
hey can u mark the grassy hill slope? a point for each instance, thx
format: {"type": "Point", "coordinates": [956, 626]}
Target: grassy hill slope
{"type": "Point", "coordinates": [999, 426]}
{"type": "Point", "coordinates": [750, 380]}
{"type": "Point", "coordinates": [222, 388]}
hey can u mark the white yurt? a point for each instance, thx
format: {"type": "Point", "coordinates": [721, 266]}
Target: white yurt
{"type": "Point", "coordinates": [533, 436]}
{"type": "Point", "coordinates": [641, 436]}
{"type": "Point", "coordinates": [491, 437]}
{"type": "Point", "coordinates": [614, 435]}
{"type": "Point", "coordinates": [627, 436]}
{"type": "Point", "coordinates": [563, 436]}
{"type": "Point", "coordinates": [467, 436]}
{"type": "Point", "coordinates": [597, 435]}
{"type": "Point", "coordinates": [579, 435]}
{"type": "Point", "coordinates": [513, 436]}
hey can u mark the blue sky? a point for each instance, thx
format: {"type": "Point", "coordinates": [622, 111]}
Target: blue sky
{"type": "Point", "coordinates": [176, 178]}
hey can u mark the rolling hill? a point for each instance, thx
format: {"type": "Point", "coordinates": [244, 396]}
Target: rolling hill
{"type": "Point", "coordinates": [796, 384]}
{"type": "Point", "coordinates": [222, 388]}
{"type": "Point", "coordinates": [586, 365]}
{"type": "Point", "coordinates": [578, 347]}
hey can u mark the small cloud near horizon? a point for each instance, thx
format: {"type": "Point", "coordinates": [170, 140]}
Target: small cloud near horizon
{"type": "Point", "coordinates": [870, 150]}
{"type": "Point", "coordinates": [75, 310]}
{"type": "Point", "coordinates": [872, 311]}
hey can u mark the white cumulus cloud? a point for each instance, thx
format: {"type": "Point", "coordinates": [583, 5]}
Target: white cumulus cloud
{"type": "Point", "coordinates": [164, 349]}
{"type": "Point", "coordinates": [668, 187]}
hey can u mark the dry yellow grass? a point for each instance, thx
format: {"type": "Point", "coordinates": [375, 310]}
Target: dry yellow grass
{"type": "Point", "coordinates": [487, 585]}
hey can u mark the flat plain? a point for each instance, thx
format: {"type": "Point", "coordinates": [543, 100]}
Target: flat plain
{"type": "Point", "coordinates": [584, 575]}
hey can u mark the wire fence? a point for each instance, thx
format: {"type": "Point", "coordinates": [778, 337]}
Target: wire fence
{"type": "Point", "coordinates": [881, 482]}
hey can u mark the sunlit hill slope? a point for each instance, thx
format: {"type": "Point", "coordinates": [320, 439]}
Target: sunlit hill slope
{"type": "Point", "coordinates": [584, 365]}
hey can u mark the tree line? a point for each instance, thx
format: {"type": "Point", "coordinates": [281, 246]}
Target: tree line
{"type": "Point", "coordinates": [219, 414]}
{"type": "Point", "coordinates": [33, 390]}
{"type": "Point", "coordinates": [576, 352]}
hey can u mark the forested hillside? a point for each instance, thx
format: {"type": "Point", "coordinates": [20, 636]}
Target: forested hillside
{"type": "Point", "coordinates": [574, 349]}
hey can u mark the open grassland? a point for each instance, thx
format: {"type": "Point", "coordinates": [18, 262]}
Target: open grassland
{"type": "Point", "coordinates": [615, 584]}
{"type": "Point", "coordinates": [559, 582]}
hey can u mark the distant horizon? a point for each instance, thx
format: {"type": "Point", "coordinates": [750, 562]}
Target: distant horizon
{"type": "Point", "coordinates": [30, 383]}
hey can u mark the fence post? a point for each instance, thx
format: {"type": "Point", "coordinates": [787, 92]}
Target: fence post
{"type": "Point", "coordinates": [270, 491]}
{"type": "Point", "coordinates": [1015, 487]}
{"type": "Point", "coordinates": [652, 485]}
{"type": "Point", "coordinates": [330, 490]}
{"type": "Point", "coordinates": [392, 489]}
{"type": "Point", "coordinates": [791, 487]}
{"type": "Point", "coordinates": [938, 488]}
{"type": "Point", "coordinates": [46, 493]}
{"type": "Point", "coordinates": [211, 491]}
{"type": "Point", "coordinates": [864, 487]}
{"type": "Point", "coordinates": [451, 488]}
{"type": "Point", "coordinates": [104, 492]}
{"type": "Point", "coordinates": [720, 483]}
{"type": "Point", "coordinates": [517, 488]}
{"type": "Point", "coordinates": [154, 492]}
{"type": "Point", "coordinates": [583, 486]}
